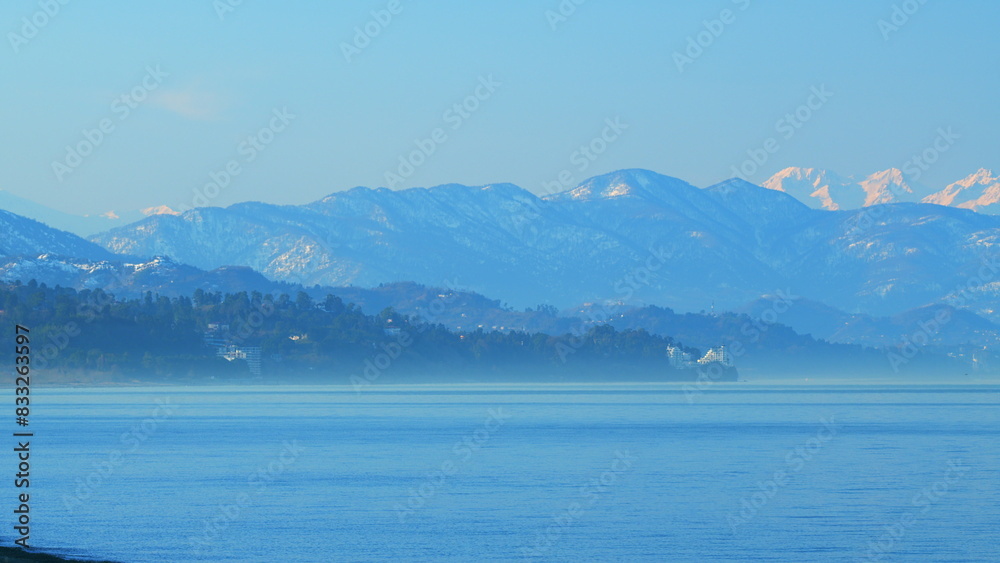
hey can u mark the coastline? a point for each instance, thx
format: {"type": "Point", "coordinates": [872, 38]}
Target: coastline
{"type": "Point", "coordinates": [18, 555]}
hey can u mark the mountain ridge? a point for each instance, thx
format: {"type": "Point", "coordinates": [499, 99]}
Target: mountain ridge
{"type": "Point", "coordinates": [631, 236]}
{"type": "Point", "coordinates": [729, 243]}
{"type": "Point", "coordinates": [823, 189]}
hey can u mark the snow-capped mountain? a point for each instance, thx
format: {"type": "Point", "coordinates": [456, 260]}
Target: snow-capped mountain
{"type": "Point", "coordinates": [978, 192]}
{"type": "Point", "coordinates": [819, 189]}
{"type": "Point", "coordinates": [822, 189]}
{"type": "Point", "coordinates": [80, 225]}
{"type": "Point", "coordinates": [131, 278]}
{"type": "Point", "coordinates": [22, 236]}
{"type": "Point", "coordinates": [890, 186]}
{"type": "Point", "coordinates": [632, 236]}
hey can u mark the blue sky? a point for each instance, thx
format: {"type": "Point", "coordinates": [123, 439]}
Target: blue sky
{"type": "Point", "coordinates": [554, 85]}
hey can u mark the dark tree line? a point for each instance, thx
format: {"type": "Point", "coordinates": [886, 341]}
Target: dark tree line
{"type": "Point", "coordinates": [157, 336]}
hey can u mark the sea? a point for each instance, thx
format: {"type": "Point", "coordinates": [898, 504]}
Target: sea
{"type": "Point", "coordinates": [477, 472]}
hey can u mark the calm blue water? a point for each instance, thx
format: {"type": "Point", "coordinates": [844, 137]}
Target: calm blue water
{"type": "Point", "coordinates": [563, 473]}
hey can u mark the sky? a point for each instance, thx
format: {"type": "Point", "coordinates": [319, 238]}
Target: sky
{"type": "Point", "coordinates": [127, 105]}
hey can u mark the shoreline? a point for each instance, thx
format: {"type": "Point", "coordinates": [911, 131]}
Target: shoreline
{"type": "Point", "coordinates": [18, 555]}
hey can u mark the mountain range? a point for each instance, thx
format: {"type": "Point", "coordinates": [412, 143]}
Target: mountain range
{"type": "Point", "coordinates": [823, 189]}
{"type": "Point", "coordinates": [817, 188]}
{"type": "Point", "coordinates": [82, 225]}
{"type": "Point", "coordinates": [629, 238]}
{"type": "Point", "coordinates": [632, 236]}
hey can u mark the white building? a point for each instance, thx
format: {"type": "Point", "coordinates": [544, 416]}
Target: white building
{"type": "Point", "coordinates": [249, 353]}
{"type": "Point", "coordinates": [678, 358]}
{"type": "Point", "coordinates": [718, 354]}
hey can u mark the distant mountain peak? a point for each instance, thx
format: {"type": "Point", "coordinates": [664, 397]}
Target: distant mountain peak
{"type": "Point", "coordinates": [816, 187]}
{"type": "Point", "coordinates": [734, 184]}
{"type": "Point", "coordinates": [889, 186]}
{"type": "Point", "coordinates": [630, 182]}
{"type": "Point", "coordinates": [816, 176]}
{"type": "Point", "coordinates": [889, 175]}
{"type": "Point", "coordinates": [979, 191]}
{"type": "Point", "coordinates": [981, 177]}
{"type": "Point", "coordinates": [159, 210]}
{"type": "Point", "coordinates": [823, 189]}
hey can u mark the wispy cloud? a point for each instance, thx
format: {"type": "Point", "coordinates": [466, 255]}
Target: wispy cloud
{"type": "Point", "coordinates": [190, 103]}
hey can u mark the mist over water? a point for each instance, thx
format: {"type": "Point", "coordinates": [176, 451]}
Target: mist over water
{"type": "Point", "coordinates": [643, 472]}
